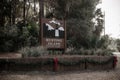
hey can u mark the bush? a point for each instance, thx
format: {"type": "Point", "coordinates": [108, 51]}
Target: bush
{"type": "Point", "coordinates": [82, 51]}
{"type": "Point", "coordinates": [8, 38]}
{"type": "Point", "coordinates": [33, 51]}
{"type": "Point", "coordinates": [13, 37]}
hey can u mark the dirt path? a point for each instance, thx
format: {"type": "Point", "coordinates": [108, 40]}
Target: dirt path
{"type": "Point", "coordinates": [87, 75]}
{"type": "Point", "coordinates": [10, 55]}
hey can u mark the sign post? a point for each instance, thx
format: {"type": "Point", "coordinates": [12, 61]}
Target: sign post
{"type": "Point", "coordinates": [52, 31]}
{"type": "Point", "coordinates": [53, 34]}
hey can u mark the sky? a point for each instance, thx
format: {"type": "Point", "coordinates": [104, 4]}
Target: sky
{"type": "Point", "coordinates": [112, 17]}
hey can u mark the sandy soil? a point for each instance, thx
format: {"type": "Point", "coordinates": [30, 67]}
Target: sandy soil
{"type": "Point", "coordinates": [10, 55]}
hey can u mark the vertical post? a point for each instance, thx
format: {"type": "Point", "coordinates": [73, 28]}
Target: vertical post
{"type": "Point", "coordinates": [65, 34]}
{"type": "Point", "coordinates": [13, 11]}
{"type": "Point", "coordinates": [10, 11]}
{"type": "Point", "coordinates": [104, 23]}
{"type": "Point", "coordinates": [34, 7]}
{"type": "Point", "coordinates": [41, 15]}
{"type": "Point", "coordinates": [41, 4]}
{"type": "Point", "coordinates": [24, 12]}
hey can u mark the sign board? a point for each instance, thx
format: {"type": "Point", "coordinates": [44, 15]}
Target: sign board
{"type": "Point", "coordinates": [53, 33]}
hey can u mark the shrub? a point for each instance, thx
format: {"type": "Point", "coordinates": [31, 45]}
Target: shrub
{"type": "Point", "coordinates": [8, 38]}
{"type": "Point", "coordinates": [33, 51]}
{"type": "Point", "coordinates": [13, 37]}
{"type": "Point", "coordinates": [107, 52]}
{"type": "Point", "coordinates": [83, 51]}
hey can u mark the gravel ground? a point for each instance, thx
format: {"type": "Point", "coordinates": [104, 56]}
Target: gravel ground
{"type": "Point", "coordinates": [79, 75]}
{"type": "Point", "coordinates": [86, 75]}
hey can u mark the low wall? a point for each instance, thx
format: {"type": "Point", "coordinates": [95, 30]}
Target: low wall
{"type": "Point", "coordinates": [58, 63]}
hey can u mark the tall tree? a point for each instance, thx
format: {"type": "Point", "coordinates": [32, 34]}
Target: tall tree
{"type": "Point", "coordinates": [79, 15]}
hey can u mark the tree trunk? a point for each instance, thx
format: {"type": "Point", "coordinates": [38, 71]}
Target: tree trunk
{"type": "Point", "coordinates": [24, 9]}
{"type": "Point", "coordinates": [34, 7]}
{"type": "Point", "coordinates": [2, 17]}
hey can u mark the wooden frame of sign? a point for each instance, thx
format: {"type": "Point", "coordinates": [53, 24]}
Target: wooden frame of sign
{"type": "Point", "coordinates": [53, 34]}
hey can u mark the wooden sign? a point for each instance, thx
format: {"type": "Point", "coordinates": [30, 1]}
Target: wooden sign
{"type": "Point", "coordinates": [53, 33]}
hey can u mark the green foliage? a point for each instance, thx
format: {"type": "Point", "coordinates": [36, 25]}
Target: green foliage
{"type": "Point", "coordinates": [82, 51]}
{"type": "Point", "coordinates": [80, 27]}
{"type": "Point", "coordinates": [16, 36]}
{"type": "Point", "coordinates": [79, 33]}
{"type": "Point", "coordinates": [118, 44]}
{"type": "Point", "coordinates": [33, 51]}
{"type": "Point", "coordinates": [9, 38]}
{"type": "Point", "coordinates": [104, 42]}
{"type": "Point", "coordinates": [81, 30]}
{"type": "Point", "coordinates": [14, 31]}
{"type": "Point", "coordinates": [55, 52]}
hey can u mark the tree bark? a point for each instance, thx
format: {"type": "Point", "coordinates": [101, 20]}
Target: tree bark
{"type": "Point", "coordinates": [24, 11]}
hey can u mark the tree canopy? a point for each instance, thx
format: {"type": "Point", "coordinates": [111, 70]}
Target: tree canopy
{"type": "Point", "coordinates": [84, 21]}
{"type": "Point", "coordinates": [19, 22]}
